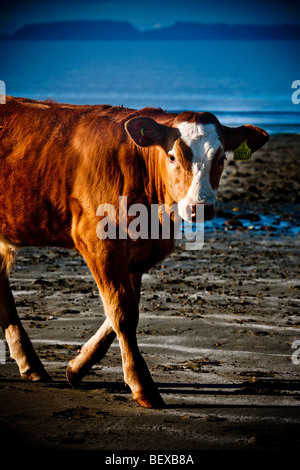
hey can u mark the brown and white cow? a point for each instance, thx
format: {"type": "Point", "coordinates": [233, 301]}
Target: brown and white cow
{"type": "Point", "coordinates": [58, 163]}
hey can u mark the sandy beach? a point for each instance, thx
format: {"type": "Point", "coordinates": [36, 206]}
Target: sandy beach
{"type": "Point", "coordinates": [217, 328]}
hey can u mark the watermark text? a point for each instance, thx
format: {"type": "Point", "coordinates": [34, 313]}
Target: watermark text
{"type": "Point", "coordinates": [2, 352]}
{"type": "Point", "coordinates": [296, 354]}
{"type": "Point", "coordinates": [296, 94]}
{"type": "Point", "coordinates": [154, 222]}
{"type": "Point", "coordinates": [2, 92]}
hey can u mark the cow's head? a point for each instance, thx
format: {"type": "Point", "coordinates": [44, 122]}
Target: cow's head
{"type": "Point", "coordinates": [193, 155]}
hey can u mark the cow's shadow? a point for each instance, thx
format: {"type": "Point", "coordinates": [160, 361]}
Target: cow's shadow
{"type": "Point", "coordinates": [260, 388]}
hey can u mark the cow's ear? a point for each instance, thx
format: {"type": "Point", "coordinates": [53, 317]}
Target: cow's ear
{"type": "Point", "coordinates": [234, 136]}
{"type": "Point", "coordinates": [145, 131]}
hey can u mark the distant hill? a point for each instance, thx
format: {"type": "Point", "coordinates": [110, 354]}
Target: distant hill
{"type": "Point", "coordinates": [80, 30]}
{"type": "Point", "coordinates": [116, 30]}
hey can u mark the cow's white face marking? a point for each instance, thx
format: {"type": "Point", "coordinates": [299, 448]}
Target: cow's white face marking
{"type": "Point", "coordinates": [204, 142]}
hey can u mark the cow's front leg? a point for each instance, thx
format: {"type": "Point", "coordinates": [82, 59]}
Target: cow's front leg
{"type": "Point", "coordinates": [121, 307]}
{"type": "Point", "coordinates": [108, 262]}
{"type": "Point", "coordinates": [97, 346]}
{"type": "Point", "coordinates": [120, 300]}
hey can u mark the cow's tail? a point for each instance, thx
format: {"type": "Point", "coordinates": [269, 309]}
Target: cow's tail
{"type": "Point", "coordinates": [7, 258]}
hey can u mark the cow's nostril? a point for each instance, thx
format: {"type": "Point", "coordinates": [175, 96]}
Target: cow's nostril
{"type": "Point", "coordinates": [209, 211]}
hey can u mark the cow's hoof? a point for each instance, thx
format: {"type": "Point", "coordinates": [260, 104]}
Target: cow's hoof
{"type": "Point", "coordinates": [147, 401]}
{"type": "Point", "coordinates": [36, 376]}
{"type": "Point", "coordinates": [74, 378]}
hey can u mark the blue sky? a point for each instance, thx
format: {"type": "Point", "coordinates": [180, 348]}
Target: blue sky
{"type": "Point", "coordinates": [150, 13]}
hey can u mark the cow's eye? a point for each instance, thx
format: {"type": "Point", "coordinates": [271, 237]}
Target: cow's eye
{"type": "Point", "coordinates": [172, 158]}
{"type": "Point", "coordinates": [222, 159]}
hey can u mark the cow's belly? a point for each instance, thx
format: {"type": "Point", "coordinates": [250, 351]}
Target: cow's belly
{"type": "Point", "coordinates": [34, 233]}
{"type": "Point", "coordinates": [28, 223]}
{"type": "Point", "coordinates": [28, 216]}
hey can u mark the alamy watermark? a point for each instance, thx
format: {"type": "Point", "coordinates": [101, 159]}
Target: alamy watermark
{"type": "Point", "coordinates": [2, 92]}
{"type": "Point", "coordinates": [296, 353]}
{"type": "Point", "coordinates": [2, 352]}
{"type": "Point", "coordinates": [154, 222]}
{"type": "Point", "coordinates": [296, 94]}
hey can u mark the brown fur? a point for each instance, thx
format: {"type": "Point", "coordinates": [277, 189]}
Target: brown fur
{"type": "Point", "coordinates": [58, 163]}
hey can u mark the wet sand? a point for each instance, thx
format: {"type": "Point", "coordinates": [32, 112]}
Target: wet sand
{"type": "Point", "coordinates": [216, 328]}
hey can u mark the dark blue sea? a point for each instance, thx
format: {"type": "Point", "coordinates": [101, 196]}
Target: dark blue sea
{"type": "Point", "coordinates": [239, 81]}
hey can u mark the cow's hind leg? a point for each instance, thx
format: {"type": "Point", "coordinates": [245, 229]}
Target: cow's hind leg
{"type": "Point", "coordinates": [97, 346]}
{"type": "Point", "coordinates": [20, 347]}
{"type": "Point", "coordinates": [91, 353]}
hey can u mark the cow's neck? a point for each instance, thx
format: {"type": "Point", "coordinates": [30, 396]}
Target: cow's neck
{"type": "Point", "coordinates": [153, 182]}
